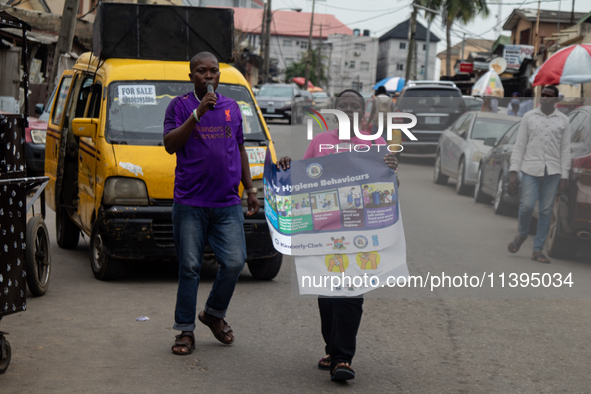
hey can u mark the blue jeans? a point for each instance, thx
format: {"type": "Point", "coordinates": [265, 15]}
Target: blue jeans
{"type": "Point", "coordinates": [543, 190]}
{"type": "Point", "coordinates": [223, 229]}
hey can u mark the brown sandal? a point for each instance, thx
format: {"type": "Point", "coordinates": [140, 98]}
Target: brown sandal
{"type": "Point", "coordinates": [184, 345]}
{"type": "Point", "coordinates": [342, 372]}
{"type": "Point", "coordinates": [540, 258]}
{"type": "Point", "coordinates": [219, 327]}
{"type": "Point", "coordinates": [324, 363]}
{"type": "Point", "coordinates": [515, 245]}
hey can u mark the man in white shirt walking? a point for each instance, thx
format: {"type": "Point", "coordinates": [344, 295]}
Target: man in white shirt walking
{"type": "Point", "coordinates": [542, 154]}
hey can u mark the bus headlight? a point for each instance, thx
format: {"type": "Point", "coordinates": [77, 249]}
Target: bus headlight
{"type": "Point", "coordinates": [125, 191]}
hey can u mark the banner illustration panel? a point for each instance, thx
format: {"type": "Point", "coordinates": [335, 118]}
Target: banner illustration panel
{"type": "Point", "coordinates": [346, 202]}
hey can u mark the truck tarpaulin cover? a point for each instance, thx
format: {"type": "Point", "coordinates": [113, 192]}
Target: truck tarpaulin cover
{"type": "Point", "coordinates": [159, 32]}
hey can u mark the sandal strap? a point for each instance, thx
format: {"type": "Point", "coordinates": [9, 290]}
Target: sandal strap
{"type": "Point", "coordinates": [342, 366]}
{"type": "Point", "coordinates": [180, 343]}
{"type": "Point", "coordinates": [224, 334]}
{"type": "Point", "coordinates": [178, 338]}
{"type": "Point", "coordinates": [515, 245]}
{"type": "Point", "coordinates": [540, 257]}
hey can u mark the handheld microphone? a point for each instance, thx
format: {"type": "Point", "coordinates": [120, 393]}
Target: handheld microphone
{"type": "Point", "coordinates": [210, 89]}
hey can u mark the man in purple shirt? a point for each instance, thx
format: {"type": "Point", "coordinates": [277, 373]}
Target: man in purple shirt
{"type": "Point", "coordinates": [211, 162]}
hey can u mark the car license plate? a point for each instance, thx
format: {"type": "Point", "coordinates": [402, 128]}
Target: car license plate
{"type": "Point", "coordinates": [270, 110]}
{"type": "Point", "coordinates": [432, 120]}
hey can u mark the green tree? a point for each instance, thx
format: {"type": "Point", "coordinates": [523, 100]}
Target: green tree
{"type": "Point", "coordinates": [462, 11]}
{"type": "Point", "coordinates": [298, 69]}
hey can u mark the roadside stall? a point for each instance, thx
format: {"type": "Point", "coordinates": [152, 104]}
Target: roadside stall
{"type": "Point", "coordinates": [24, 247]}
{"type": "Point", "coordinates": [489, 85]}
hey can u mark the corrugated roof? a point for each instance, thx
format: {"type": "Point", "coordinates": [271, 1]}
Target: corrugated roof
{"type": "Point", "coordinates": [546, 16]}
{"type": "Point", "coordinates": [34, 36]}
{"type": "Point", "coordinates": [400, 32]}
{"type": "Point", "coordinates": [585, 19]}
{"type": "Point", "coordinates": [288, 23]}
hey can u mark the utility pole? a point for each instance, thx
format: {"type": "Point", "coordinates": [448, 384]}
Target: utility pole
{"type": "Point", "coordinates": [318, 61]}
{"type": "Point", "coordinates": [558, 23]}
{"type": "Point", "coordinates": [429, 21]}
{"type": "Point", "coordinates": [66, 36]}
{"type": "Point", "coordinates": [572, 16]}
{"type": "Point", "coordinates": [463, 45]}
{"type": "Point", "coordinates": [411, 71]}
{"type": "Point", "coordinates": [499, 28]}
{"type": "Point", "coordinates": [328, 87]}
{"type": "Point", "coordinates": [309, 53]}
{"type": "Point", "coordinates": [263, 35]}
{"type": "Point", "coordinates": [267, 42]}
{"type": "Point", "coordinates": [537, 36]}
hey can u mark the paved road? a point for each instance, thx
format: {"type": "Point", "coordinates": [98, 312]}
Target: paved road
{"type": "Point", "coordinates": [82, 336]}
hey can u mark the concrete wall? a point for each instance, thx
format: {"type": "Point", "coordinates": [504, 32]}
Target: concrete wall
{"type": "Point", "coordinates": [391, 57]}
{"type": "Point", "coordinates": [339, 49]}
{"type": "Point", "coordinates": [352, 65]}
{"type": "Point", "coordinates": [283, 50]}
{"type": "Point", "coordinates": [546, 30]}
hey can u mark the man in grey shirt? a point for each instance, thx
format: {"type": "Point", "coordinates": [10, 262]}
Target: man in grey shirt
{"type": "Point", "coordinates": [542, 154]}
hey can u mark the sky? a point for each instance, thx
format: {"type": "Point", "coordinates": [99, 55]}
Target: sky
{"type": "Point", "coordinates": [382, 15]}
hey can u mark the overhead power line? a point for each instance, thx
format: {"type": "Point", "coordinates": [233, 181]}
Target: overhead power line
{"type": "Point", "coordinates": [330, 27]}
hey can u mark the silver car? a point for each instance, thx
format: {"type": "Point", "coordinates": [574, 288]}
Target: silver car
{"type": "Point", "coordinates": [493, 178]}
{"type": "Point", "coordinates": [321, 100]}
{"type": "Point", "coordinates": [473, 103]}
{"type": "Point", "coordinates": [462, 146]}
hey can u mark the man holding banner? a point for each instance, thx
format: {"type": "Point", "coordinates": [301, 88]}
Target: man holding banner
{"type": "Point", "coordinates": [340, 312]}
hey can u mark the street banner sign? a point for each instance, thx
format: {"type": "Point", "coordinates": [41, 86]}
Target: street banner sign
{"type": "Point", "coordinates": [516, 54]}
{"type": "Point", "coordinates": [340, 215]}
{"type": "Point", "coordinates": [466, 67]}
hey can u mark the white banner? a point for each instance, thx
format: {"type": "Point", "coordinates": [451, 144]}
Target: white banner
{"type": "Point", "coordinates": [516, 54]}
{"type": "Point", "coordinates": [353, 274]}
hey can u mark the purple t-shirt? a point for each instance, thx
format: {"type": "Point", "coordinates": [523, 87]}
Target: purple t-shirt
{"type": "Point", "coordinates": [208, 167]}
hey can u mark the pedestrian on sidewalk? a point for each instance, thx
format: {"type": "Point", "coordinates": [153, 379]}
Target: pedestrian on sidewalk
{"type": "Point", "coordinates": [340, 317]}
{"type": "Point", "coordinates": [542, 154]}
{"type": "Point", "coordinates": [490, 104]}
{"type": "Point", "coordinates": [513, 107]}
{"type": "Point", "coordinates": [211, 162]}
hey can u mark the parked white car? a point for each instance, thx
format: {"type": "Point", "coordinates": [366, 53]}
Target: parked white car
{"type": "Point", "coordinates": [462, 146]}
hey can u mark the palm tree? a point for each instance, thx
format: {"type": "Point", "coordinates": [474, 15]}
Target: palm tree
{"type": "Point", "coordinates": [462, 11]}
{"type": "Point", "coordinates": [298, 69]}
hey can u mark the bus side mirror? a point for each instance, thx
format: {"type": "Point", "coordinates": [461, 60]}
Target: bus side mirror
{"type": "Point", "coordinates": [84, 127]}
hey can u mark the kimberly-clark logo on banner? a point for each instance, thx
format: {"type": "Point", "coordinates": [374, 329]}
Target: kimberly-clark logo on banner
{"type": "Point", "coordinates": [393, 122]}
